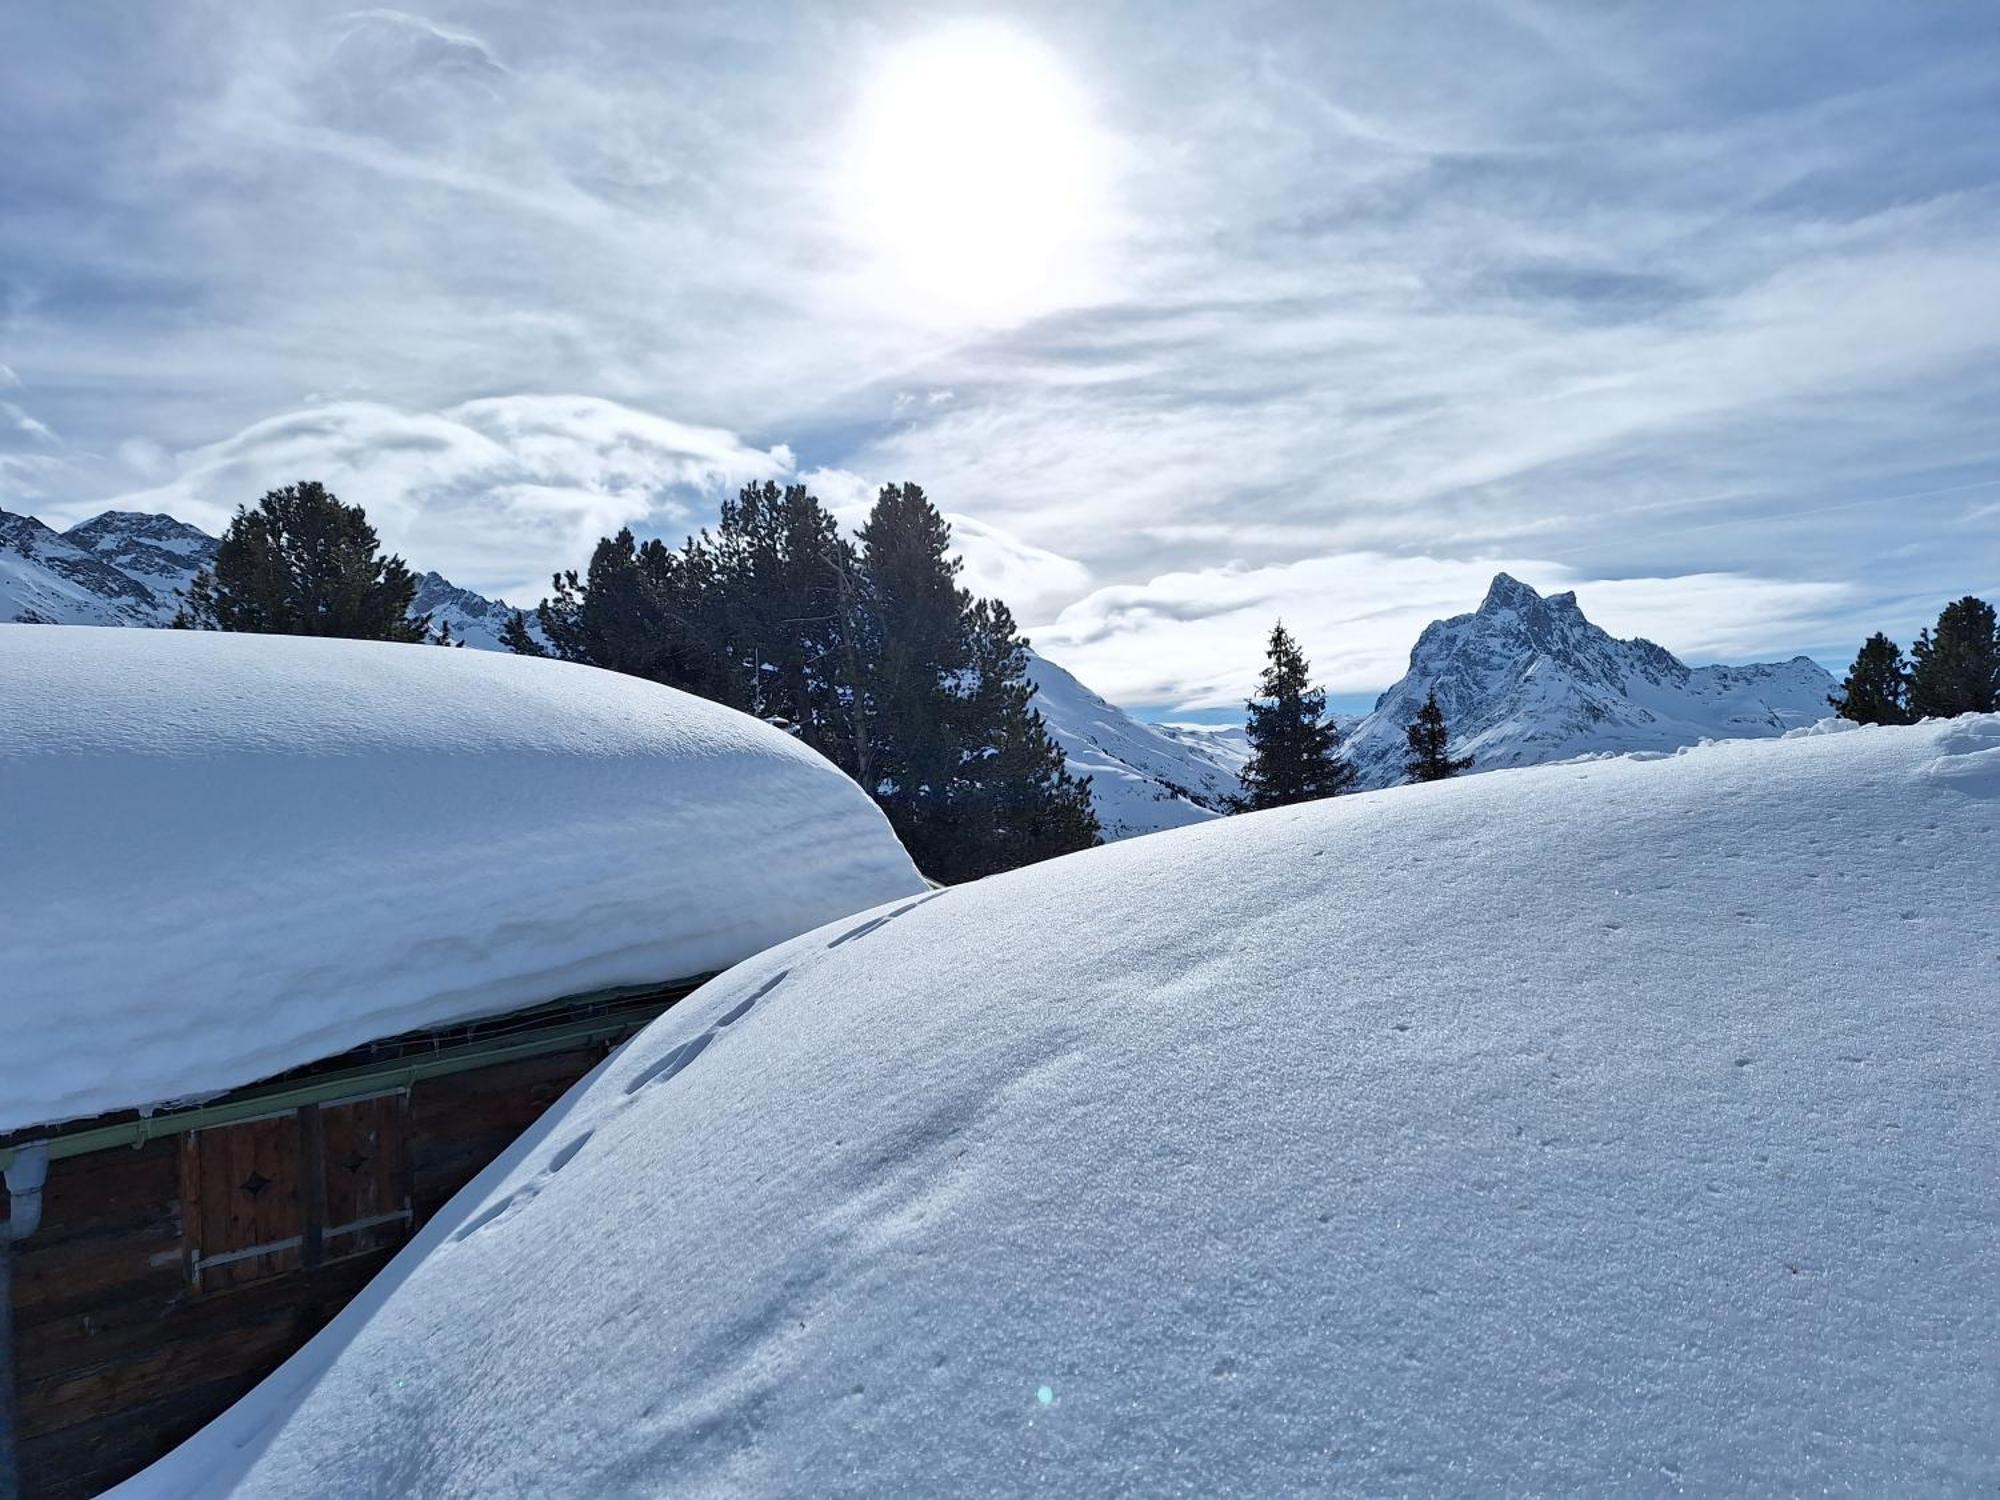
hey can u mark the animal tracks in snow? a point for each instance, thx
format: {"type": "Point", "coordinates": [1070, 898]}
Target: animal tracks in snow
{"type": "Point", "coordinates": [665, 1067]}
{"type": "Point", "coordinates": [882, 921]}
{"type": "Point", "coordinates": [659, 1071]}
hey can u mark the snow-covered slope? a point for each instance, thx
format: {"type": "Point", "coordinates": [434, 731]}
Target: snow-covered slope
{"type": "Point", "coordinates": [474, 619]}
{"type": "Point", "coordinates": [155, 550]}
{"type": "Point", "coordinates": [1524, 680]}
{"type": "Point", "coordinates": [226, 855]}
{"type": "Point", "coordinates": [1143, 777]}
{"type": "Point", "coordinates": [102, 572]}
{"type": "Point", "coordinates": [1609, 1128]}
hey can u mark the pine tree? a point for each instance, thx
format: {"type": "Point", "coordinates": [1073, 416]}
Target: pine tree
{"type": "Point", "coordinates": [1015, 801]}
{"type": "Point", "coordinates": [1876, 689]}
{"type": "Point", "coordinates": [1295, 752]}
{"type": "Point", "coordinates": [873, 655]}
{"type": "Point", "coordinates": [303, 563]}
{"type": "Point", "coordinates": [515, 637]}
{"type": "Point", "coordinates": [644, 610]}
{"type": "Point", "coordinates": [783, 576]}
{"type": "Point", "coordinates": [1957, 669]}
{"type": "Point", "coordinates": [1430, 745]}
{"type": "Point", "coordinates": [962, 763]}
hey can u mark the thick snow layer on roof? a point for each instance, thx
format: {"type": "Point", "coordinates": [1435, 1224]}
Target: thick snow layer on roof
{"type": "Point", "coordinates": [1614, 1127]}
{"type": "Point", "coordinates": [226, 855]}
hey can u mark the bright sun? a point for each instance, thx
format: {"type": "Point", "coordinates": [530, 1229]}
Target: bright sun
{"type": "Point", "coordinates": [977, 178]}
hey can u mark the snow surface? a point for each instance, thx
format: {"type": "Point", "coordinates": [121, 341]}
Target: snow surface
{"type": "Point", "coordinates": [1527, 680]}
{"type": "Point", "coordinates": [222, 856]}
{"type": "Point", "coordinates": [1143, 777]}
{"type": "Point", "coordinates": [1618, 1127]}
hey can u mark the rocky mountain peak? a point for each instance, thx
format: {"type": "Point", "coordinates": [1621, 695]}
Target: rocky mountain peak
{"type": "Point", "coordinates": [1527, 678]}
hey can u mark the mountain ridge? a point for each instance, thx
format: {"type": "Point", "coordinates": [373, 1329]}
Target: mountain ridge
{"type": "Point", "coordinates": [1525, 679]}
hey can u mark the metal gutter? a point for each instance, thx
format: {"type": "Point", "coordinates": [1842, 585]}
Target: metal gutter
{"type": "Point", "coordinates": [395, 1073]}
{"type": "Point", "coordinates": [27, 1168]}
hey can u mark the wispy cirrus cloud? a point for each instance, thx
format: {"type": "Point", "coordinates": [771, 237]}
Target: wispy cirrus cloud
{"type": "Point", "coordinates": [1620, 295]}
{"type": "Point", "coordinates": [478, 490]}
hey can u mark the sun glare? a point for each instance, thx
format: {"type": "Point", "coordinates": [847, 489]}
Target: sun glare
{"type": "Point", "coordinates": [976, 180]}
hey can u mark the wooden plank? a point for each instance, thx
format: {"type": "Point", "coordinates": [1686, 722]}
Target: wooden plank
{"type": "Point", "coordinates": [312, 1148]}
{"type": "Point", "coordinates": [201, 1338]}
{"type": "Point", "coordinates": [119, 1345]}
{"type": "Point", "coordinates": [247, 1182]}
{"type": "Point", "coordinates": [83, 1460]}
{"type": "Point", "coordinates": [365, 1169]}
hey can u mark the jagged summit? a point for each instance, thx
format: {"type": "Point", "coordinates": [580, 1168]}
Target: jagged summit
{"type": "Point", "coordinates": [1508, 592]}
{"type": "Point", "coordinates": [1528, 678]}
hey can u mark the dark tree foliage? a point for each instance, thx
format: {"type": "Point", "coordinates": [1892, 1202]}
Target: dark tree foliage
{"type": "Point", "coordinates": [1430, 745]}
{"type": "Point", "coordinates": [514, 635]}
{"type": "Point", "coordinates": [1294, 751]}
{"type": "Point", "coordinates": [303, 563]}
{"type": "Point", "coordinates": [1956, 669]}
{"type": "Point", "coordinates": [872, 654]}
{"type": "Point", "coordinates": [922, 651]}
{"type": "Point", "coordinates": [964, 766]}
{"type": "Point", "coordinates": [1876, 689]}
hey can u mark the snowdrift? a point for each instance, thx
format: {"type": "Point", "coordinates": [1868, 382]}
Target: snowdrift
{"type": "Point", "coordinates": [1614, 1127]}
{"type": "Point", "coordinates": [225, 855]}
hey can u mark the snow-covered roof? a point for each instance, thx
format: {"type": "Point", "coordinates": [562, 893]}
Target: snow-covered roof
{"type": "Point", "coordinates": [1611, 1127]}
{"type": "Point", "coordinates": [228, 855]}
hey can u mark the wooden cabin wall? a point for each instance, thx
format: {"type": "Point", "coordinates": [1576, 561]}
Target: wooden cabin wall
{"type": "Point", "coordinates": [119, 1355]}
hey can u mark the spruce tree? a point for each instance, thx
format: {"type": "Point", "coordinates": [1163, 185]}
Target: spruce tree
{"type": "Point", "coordinates": [874, 655]}
{"type": "Point", "coordinates": [303, 563]}
{"type": "Point", "coordinates": [1015, 801]}
{"type": "Point", "coordinates": [1295, 751]}
{"type": "Point", "coordinates": [962, 763]}
{"type": "Point", "coordinates": [1430, 745]}
{"type": "Point", "coordinates": [515, 637]}
{"type": "Point", "coordinates": [1957, 669]}
{"type": "Point", "coordinates": [1876, 689]}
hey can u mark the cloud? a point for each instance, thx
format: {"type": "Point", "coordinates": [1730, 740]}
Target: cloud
{"type": "Point", "coordinates": [495, 493]}
{"type": "Point", "coordinates": [1195, 640]}
{"type": "Point", "coordinates": [1613, 294]}
{"type": "Point", "coordinates": [1030, 579]}
{"type": "Point", "coordinates": [1033, 581]}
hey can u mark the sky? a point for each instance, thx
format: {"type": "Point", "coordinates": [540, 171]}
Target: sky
{"type": "Point", "coordinates": [1190, 316]}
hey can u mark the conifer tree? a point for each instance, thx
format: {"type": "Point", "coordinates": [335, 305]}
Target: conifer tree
{"type": "Point", "coordinates": [1295, 751]}
{"type": "Point", "coordinates": [921, 649]}
{"type": "Point", "coordinates": [1957, 669]}
{"type": "Point", "coordinates": [874, 655]}
{"type": "Point", "coordinates": [1430, 745]}
{"type": "Point", "coordinates": [1015, 801]}
{"type": "Point", "coordinates": [963, 764]}
{"type": "Point", "coordinates": [1876, 689]}
{"type": "Point", "coordinates": [303, 563]}
{"type": "Point", "coordinates": [514, 635]}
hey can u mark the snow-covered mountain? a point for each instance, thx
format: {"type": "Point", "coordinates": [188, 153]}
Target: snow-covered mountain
{"type": "Point", "coordinates": [1143, 777]}
{"type": "Point", "coordinates": [128, 568]}
{"type": "Point", "coordinates": [1524, 680]}
{"type": "Point", "coordinates": [119, 568]}
{"type": "Point", "coordinates": [475, 620]}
